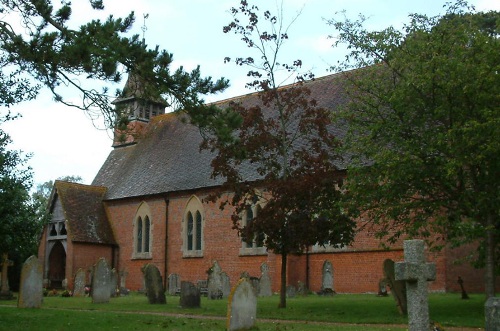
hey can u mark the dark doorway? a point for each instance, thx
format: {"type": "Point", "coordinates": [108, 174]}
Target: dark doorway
{"type": "Point", "coordinates": [57, 265]}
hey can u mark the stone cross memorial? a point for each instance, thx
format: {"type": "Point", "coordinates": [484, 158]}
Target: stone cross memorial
{"type": "Point", "coordinates": [5, 293]}
{"type": "Point", "coordinates": [416, 272]}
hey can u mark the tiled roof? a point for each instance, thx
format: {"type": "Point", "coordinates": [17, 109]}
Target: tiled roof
{"type": "Point", "coordinates": [168, 157]}
{"type": "Point", "coordinates": [84, 212]}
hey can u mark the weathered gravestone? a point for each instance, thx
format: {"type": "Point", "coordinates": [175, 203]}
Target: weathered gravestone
{"type": "Point", "coordinates": [154, 284]}
{"type": "Point", "coordinates": [101, 282]}
{"type": "Point", "coordinates": [5, 293]}
{"type": "Point", "coordinates": [79, 283]}
{"type": "Point", "coordinates": [241, 306]}
{"type": "Point", "coordinates": [291, 291]}
{"type": "Point", "coordinates": [174, 284]}
{"type": "Point", "coordinates": [190, 295]}
{"type": "Point", "coordinates": [113, 280]}
{"type": "Point", "coordinates": [123, 282]}
{"type": "Point", "coordinates": [416, 272]}
{"type": "Point", "coordinates": [265, 281]}
{"type": "Point", "coordinates": [31, 287]}
{"type": "Point", "coordinates": [215, 282]}
{"type": "Point", "coordinates": [398, 287]}
{"type": "Point", "coordinates": [382, 288]}
{"type": "Point", "coordinates": [226, 285]}
{"type": "Point", "coordinates": [492, 314]}
{"type": "Point", "coordinates": [327, 277]}
{"type": "Point", "coordinates": [465, 296]}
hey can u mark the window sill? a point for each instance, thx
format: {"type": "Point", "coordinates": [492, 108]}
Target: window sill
{"type": "Point", "coordinates": [192, 254]}
{"type": "Point", "coordinates": [142, 256]}
{"type": "Point", "coordinates": [253, 251]}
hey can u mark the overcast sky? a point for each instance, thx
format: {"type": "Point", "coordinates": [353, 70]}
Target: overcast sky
{"type": "Point", "coordinates": [65, 142]}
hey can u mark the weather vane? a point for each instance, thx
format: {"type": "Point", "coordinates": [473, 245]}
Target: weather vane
{"type": "Point", "coordinates": [144, 28]}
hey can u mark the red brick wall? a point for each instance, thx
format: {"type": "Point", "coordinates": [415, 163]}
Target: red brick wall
{"type": "Point", "coordinates": [458, 263]}
{"type": "Point", "coordinates": [85, 256]}
{"type": "Point", "coordinates": [357, 269]}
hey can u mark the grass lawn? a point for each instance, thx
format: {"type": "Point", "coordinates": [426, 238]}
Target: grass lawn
{"type": "Point", "coordinates": [134, 313]}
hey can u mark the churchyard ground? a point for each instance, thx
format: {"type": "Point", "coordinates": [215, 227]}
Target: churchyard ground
{"type": "Point", "coordinates": [338, 312]}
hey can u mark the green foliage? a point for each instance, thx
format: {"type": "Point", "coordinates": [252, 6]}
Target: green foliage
{"type": "Point", "coordinates": [424, 126]}
{"type": "Point", "coordinates": [47, 52]}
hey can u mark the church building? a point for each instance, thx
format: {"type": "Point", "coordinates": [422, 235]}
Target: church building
{"type": "Point", "coordinates": [147, 205]}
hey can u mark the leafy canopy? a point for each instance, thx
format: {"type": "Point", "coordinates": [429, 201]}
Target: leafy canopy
{"type": "Point", "coordinates": [424, 126]}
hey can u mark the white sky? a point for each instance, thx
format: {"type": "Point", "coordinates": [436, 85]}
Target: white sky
{"type": "Point", "coordinates": [64, 141]}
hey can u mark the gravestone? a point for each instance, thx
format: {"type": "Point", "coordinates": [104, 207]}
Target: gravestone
{"type": "Point", "coordinates": [31, 289]}
{"type": "Point", "coordinates": [215, 282]}
{"type": "Point", "coordinates": [492, 314]}
{"type": "Point", "coordinates": [153, 284]}
{"type": "Point", "coordinates": [241, 306]}
{"type": "Point", "coordinates": [398, 287]}
{"type": "Point", "coordinates": [226, 285]}
{"type": "Point", "coordinates": [327, 277]}
{"type": "Point", "coordinates": [174, 284]}
{"type": "Point", "coordinates": [64, 283]}
{"type": "Point", "coordinates": [101, 282]}
{"type": "Point", "coordinates": [190, 295]}
{"type": "Point", "coordinates": [265, 281]}
{"type": "Point", "coordinates": [5, 293]}
{"type": "Point", "coordinates": [113, 283]}
{"type": "Point", "coordinates": [79, 283]}
{"type": "Point", "coordinates": [255, 284]}
{"type": "Point", "coordinates": [302, 288]}
{"type": "Point", "coordinates": [291, 291]}
{"type": "Point", "coordinates": [123, 283]}
{"type": "Point", "coordinates": [382, 288]}
{"type": "Point", "coordinates": [465, 296]}
{"type": "Point", "coordinates": [245, 274]}
{"type": "Point", "coordinates": [416, 272]}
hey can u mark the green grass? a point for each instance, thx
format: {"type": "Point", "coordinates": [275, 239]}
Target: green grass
{"type": "Point", "coordinates": [134, 313]}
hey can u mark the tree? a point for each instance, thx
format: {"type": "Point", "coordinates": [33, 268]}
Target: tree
{"type": "Point", "coordinates": [45, 52]}
{"type": "Point", "coordinates": [285, 138]}
{"type": "Point", "coordinates": [19, 226]}
{"type": "Point", "coordinates": [424, 128]}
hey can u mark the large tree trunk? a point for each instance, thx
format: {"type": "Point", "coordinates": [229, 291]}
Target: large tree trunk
{"type": "Point", "coordinates": [283, 281]}
{"type": "Point", "coordinates": [489, 277]}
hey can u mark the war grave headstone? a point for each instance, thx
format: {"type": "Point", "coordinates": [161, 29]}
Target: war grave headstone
{"type": "Point", "coordinates": [153, 284]}
{"type": "Point", "coordinates": [190, 295]}
{"type": "Point", "coordinates": [79, 283]}
{"type": "Point", "coordinates": [492, 314]}
{"type": "Point", "coordinates": [215, 282]}
{"type": "Point", "coordinates": [31, 286]}
{"type": "Point", "coordinates": [416, 272]}
{"type": "Point", "coordinates": [327, 278]}
{"type": "Point", "coordinates": [113, 283]}
{"type": "Point", "coordinates": [398, 287]}
{"type": "Point", "coordinates": [5, 293]}
{"type": "Point", "coordinates": [265, 281]}
{"type": "Point", "coordinates": [101, 282]}
{"type": "Point", "coordinates": [241, 306]}
{"type": "Point", "coordinates": [174, 284]}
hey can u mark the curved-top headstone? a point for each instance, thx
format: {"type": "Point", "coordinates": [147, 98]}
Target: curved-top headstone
{"type": "Point", "coordinates": [154, 284]}
{"type": "Point", "coordinates": [31, 289]}
{"type": "Point", "coordinates": [327, 276]}
{"type": "Point", "coordinates": [265, 281]}
{"type": "Point", "coordinates": [101, 282]}
{"type": "Point", "coordinates": [79, 283]}
{"type": "Point", "coordinates": [241, 306]}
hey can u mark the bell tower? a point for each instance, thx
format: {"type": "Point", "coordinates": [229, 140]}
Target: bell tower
{"type": "Point", "coordinates": [137, 104]}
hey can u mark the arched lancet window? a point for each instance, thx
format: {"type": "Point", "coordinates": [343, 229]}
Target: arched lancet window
{"type": "Point", "coordinates": [255, 244]}
{"type": "Point", "coordinates": [192, 229]}
{"type": "Point", "coordinates": [142, 232]}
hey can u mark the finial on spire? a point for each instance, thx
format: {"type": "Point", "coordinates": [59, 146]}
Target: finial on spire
{"type": "Point", "coordinates": [144, 28]}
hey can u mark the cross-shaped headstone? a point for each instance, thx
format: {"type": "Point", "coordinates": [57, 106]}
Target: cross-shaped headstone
{"type": "Point", "coordinates": [416, 272]}
{"type": "Point", "coordinates": [5, 290]}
